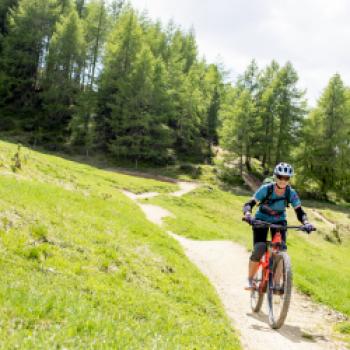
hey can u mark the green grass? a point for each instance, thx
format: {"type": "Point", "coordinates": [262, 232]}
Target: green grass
{"type": "Point", "coordinates": [72, 175]}
{"type": "Point", "coordinates": [321, 268]}
{"type": "Point", "coordinates": [82, 268]}
{"type": "Point", "coordinates": [343, 329]}
{"type": "Point", "coordinates": [186, 172]}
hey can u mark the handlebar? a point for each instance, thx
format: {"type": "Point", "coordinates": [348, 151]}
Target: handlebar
{"type": "Point", "coordinates": [260, 223]}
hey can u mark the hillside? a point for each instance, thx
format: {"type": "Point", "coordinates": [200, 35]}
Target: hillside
{"type": "Point", "coordinates": [81, 267]}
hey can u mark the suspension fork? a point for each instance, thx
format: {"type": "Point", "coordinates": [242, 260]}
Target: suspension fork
{"type": "Point", "coordinates": [275, 247]}
{"type": "Point", "coordinates": [266, 270]}
{"type": "Point", "coordinates": [270, 272]}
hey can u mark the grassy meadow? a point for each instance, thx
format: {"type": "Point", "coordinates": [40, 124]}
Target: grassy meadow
{"type": "Point", "coordinates": [82, 268]}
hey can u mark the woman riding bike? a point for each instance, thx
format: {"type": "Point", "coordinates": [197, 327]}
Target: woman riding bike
{"type": "Point", "coordinates": [273, 198]}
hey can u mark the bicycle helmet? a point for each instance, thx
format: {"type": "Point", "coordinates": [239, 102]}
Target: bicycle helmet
{"type": "Point", "coordinates": [284, 169]}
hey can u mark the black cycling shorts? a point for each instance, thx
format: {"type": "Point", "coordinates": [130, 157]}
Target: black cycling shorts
{"type": "Point", "coordinates": [260, 233]}
{"type": "Point", "coordinates": [260, 237]}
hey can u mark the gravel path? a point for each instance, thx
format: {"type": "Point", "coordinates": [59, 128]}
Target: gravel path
{"type": "Point", "coordinates": [308, 325]}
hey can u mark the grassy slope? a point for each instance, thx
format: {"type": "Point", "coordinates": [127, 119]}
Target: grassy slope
{"type": "Point", "coordinates": [73, 176]}
{"type": "Point", "coordinates": [81, 267]}
{"type": "Point", "coordinates": [321, 268]}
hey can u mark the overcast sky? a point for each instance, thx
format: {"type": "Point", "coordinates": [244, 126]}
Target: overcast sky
{"type": "Point", "coordinates": [313, 34]}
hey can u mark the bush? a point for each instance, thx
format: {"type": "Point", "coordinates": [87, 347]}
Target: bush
{"type": "Point", "coordinates": [229, 176]}
{"type": "Point", "coordinates": [195, 171]}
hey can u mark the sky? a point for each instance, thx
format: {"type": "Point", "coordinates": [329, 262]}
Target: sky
{"type": "Point", "coordinates": [314, 35]}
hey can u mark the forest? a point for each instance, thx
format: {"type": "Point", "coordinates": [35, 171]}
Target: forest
{"type": "Point", "coordinates": [95, 76]}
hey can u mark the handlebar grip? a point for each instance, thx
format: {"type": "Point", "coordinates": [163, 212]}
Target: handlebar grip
{"type": "Point", "coordinates": [309, 231]}
{"type": "Point", "coordinates": [247, 221]}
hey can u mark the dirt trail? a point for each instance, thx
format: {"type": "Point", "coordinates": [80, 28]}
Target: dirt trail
{"type": "Point", "coordinates": [308, 325]}
{"type": "Point", "coordinates": [252, 182]}
{"type": "Point", "coordinates": [325, 220]}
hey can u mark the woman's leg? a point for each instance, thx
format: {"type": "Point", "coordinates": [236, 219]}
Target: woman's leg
{"type": "Point", "coordinates": [278, 267]}
{"type": "Point", "coordinates": [259, 239]}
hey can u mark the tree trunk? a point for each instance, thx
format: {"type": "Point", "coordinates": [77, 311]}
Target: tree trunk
{"type": "Point", "coordinates": [96, 46]}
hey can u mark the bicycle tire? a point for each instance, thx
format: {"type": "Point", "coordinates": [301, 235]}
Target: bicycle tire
{"type": "Point", "coordinates": [276, 321]}
{"type": "Point", "coordinates": [256, 296]}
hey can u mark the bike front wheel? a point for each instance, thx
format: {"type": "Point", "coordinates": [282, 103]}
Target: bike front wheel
{"type": "Point", "coordinates": [279, 289]}
{"type": "Point", "coordinates": [257, 294]}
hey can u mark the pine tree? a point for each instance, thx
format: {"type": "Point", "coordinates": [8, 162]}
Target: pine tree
{"type": "Point", "coordinates": [188, 117]}
{"type": "Point", "coordinates": [123, 45]}
{"type": "Point", "coordinates": [95, 29]}
{"type": "Point", "coordinates": [326, 140]}
{"type": "Point", "coordinates": [212, 99]}
{"type": "Point", "coordinates": [249, 81]}
{"type": "Point", "coordinates": [5, 9]}
{"type": "Point", "coordinates": [266, 106]}
{"type": "Point", "coordinates": [62, 82]}
{"type": "Point", "coordinates": [115, 9]}
{"type": "Point", "coordinates": [80, 6]}
{"type": "Point", "coordinates": [128, 119]}
{"type": "Point", "coordinates": [23, 49]}
{"type": "Point", "coordinates": [290, 111]}
{"type": "Point", "coordinates": [237, 115]}
{"type": "Point", "coordinates": [82, 125]}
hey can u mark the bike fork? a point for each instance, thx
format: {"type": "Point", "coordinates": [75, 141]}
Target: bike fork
{"type": "Point", "coordinates": [270, 287]}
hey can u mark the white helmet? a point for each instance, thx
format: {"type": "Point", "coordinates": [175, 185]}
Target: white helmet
{"type": "Point", "coordinates": [283, 169]}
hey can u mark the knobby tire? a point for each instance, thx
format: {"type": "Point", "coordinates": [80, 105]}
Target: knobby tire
{"type": "Point", "coordinates": [256, 297]}
{"type": "Point", "coordinates": [276, 321]}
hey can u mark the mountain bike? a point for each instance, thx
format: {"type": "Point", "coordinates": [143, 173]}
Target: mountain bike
{"type": "Point", "coordinates": [274, 276]}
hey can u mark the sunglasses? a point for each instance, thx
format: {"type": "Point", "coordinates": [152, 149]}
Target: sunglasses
{"type": "Point", "coordinates": [285, 178]}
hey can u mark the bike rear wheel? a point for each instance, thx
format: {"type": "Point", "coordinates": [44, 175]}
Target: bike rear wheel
{"type": "Point", "coordinates": [279, 290]}
{"type": "Point", "coordinates": [256, 295]}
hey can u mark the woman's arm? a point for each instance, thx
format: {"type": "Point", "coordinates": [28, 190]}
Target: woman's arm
{"type": "Point", "coordinates": [248, 207]}
{"type": "Point", "coordinates": [301, 215]}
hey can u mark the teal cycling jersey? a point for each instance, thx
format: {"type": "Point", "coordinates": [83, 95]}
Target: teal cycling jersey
{"type": "Point", "coordinates": [279, 207]}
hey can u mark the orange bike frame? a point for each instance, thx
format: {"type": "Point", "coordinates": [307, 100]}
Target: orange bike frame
{"type": "Point", "coordinates": [265, 263]}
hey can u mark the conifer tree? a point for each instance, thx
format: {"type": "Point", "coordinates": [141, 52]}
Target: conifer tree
{"type": "Point", "coordinates": [5, 9]}
{"type": "Point", "coordinates": [326, 140]}
{"type": "Point", "coordinates": [290, 111]}
{"type": "Point", "coordinates": [266, 109]}
{"type": "Point", "coordinates": [237, 114]}
{"type": "Point", "coordinates": [123, 46]}
{"type": "Point", "coordinates": [23, 48]}
{"type": "Point", "coordinates": [64, 67]}
{"type": "Point", "coordinates": [95, 29]}
{"type": "Point", "coordinates": [249, 82]}
{"type": "Point", "coordinates": [213, 96]}
{"type": "Point", "coordinates": [128, 96]}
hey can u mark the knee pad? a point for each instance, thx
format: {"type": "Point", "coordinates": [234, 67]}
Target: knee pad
{"type": "Point", "coordinates": [258, 252]}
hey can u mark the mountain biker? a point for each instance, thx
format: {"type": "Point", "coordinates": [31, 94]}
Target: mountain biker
{"type": "Point", "coordinates": [272, 198]}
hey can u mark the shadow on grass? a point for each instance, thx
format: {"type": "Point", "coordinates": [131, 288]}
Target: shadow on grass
{"type": "Point", "coordinates": [169, 173]}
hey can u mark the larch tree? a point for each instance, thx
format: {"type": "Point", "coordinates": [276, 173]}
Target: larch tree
{"type": "Point", "coordinates": [64, 69]}
{"type": "Point", "coordinates": [22, 50]}
{"type": "Point", "coordinates": [326, 140]}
